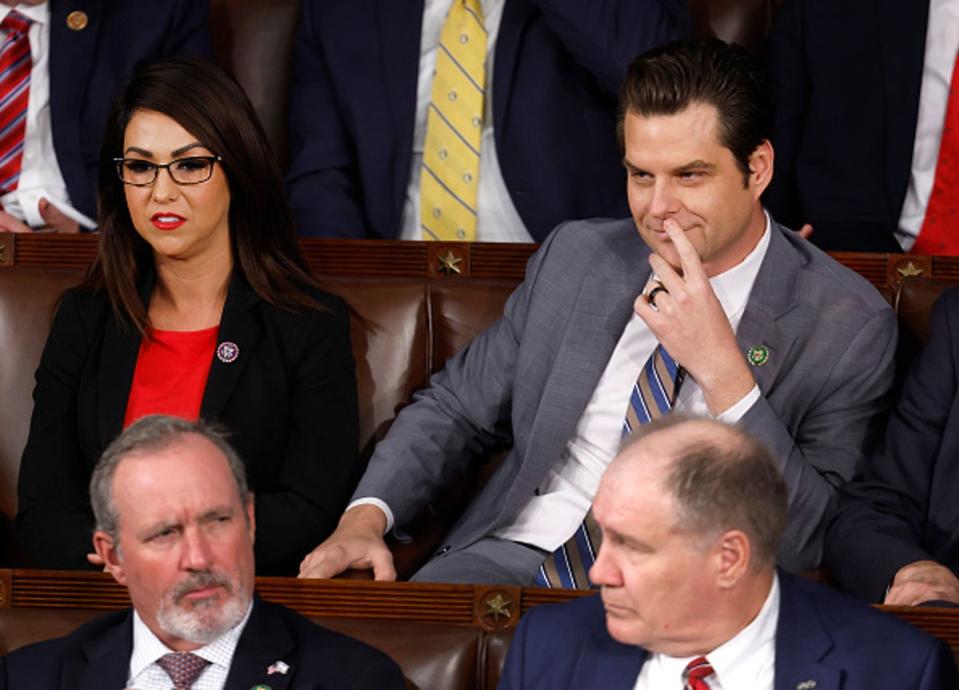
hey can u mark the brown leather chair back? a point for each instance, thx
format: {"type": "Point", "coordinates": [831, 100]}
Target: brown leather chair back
{"type": "Point", "coordinates": [253, 41]}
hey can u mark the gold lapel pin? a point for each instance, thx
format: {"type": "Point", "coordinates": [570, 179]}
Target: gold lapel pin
{"type": "Point", "coordinates": [77, 20]}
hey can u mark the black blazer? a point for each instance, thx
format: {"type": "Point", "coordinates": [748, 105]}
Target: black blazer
{"type": "Point", "coordinates": [97, 656]}
{"type": "Point", "coordinates": [847, 77]}
{"type": "Point", "coordinates": [906, 508]}
{"type": "Point", "coordinates": [289, 400]}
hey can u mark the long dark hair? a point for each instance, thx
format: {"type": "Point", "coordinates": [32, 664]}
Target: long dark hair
{"type": "Point", "coordinates": [211, 106]}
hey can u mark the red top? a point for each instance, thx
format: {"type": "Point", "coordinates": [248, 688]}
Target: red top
{"type": "Point", "coordinates": [171, 373]}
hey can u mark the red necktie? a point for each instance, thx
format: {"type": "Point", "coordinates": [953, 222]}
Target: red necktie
{"type": "Point", "coordinates": [15, 66]}
{"type": "Point", "coordinates": [940, 229]}
{"type": "Point", "coordinates": [696, 673]}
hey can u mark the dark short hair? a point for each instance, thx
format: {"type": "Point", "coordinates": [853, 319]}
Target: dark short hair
{"type": "Point", "coordinates": [211, 106]}
{"type": "Point", "coordinates": [726, 480]}
{"type": "Point", "coordinates": [153, 433]}
{"type": "Point", "coordinates": [668, 79]}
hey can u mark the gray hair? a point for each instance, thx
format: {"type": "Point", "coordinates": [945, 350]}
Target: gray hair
{"type": "Point", "coordinates": [154, 433]}
{"type": "Point", "coordinates": [724, 480]}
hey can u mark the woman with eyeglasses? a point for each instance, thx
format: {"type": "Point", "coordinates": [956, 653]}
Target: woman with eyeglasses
{"type": "Point", "coordinates": [200, 305]}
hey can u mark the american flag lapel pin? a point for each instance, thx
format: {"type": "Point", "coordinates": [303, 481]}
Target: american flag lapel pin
{"type": "Point", "coordinates": [280, 667]}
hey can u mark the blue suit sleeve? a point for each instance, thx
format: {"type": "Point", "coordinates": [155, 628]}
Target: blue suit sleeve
{"type": "Point", "coordinates": [878, 527]}
{"type": "Point", "coordinates": [323, 179]}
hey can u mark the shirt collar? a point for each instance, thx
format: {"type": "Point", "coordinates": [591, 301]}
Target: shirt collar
{"type": "Point", "coordinates": [147, 647]}
{"type": "Point", "coordinates": [731, 660]}
{"type": "Point", "coordinates": [732, 287]}
{"type": "Point", "coordinates": [39, 14]}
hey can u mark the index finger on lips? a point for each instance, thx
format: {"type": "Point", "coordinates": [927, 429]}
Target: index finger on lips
{"type": "Point", "coordinates": [689, 259]}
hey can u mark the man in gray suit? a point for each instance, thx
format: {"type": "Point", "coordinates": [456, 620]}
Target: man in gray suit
{"type": "Point", "coordinates": [772, 334]}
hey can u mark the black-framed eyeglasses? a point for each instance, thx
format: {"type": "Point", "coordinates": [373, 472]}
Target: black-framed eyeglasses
{"type": "Point", "coordinates": [143, 173]}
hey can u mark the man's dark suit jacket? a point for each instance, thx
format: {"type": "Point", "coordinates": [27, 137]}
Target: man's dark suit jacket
{"type": "Point", "coordinates": [289, 401]}
{"type": "Point", "coordinates": [88, 66]}
{"type": "Point", "coordinates": [847, 102]}
{"type": "Point", "coordinates": [97, 656]}
{"type": "Point", "coordinates": [824, 639]}
{"type": "Point", "coordinates": [906, 507]}
{"type": "Point", "coordinates": [557, 68]}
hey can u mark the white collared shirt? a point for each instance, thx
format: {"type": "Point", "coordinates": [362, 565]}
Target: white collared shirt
{"type": "Point", "coordinates": [497, 217]}
{"type": "Point", "coordinates": [146, 674]}
{"type": "Point", "coordinates": [745, 662]}
{"type": "Point", "coordinates": [39, 171]}
{"type": "Point", "coordinates": [942, 44]}
{"type": "Point", "coordinates": [565, 496]}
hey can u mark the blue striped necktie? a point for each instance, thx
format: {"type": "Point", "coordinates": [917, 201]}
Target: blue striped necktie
{"type": "Point", "coordinates": [652, 396]}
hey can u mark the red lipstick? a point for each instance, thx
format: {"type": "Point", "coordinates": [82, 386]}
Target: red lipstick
{"type": "Point", "coordinates": [167, 221]}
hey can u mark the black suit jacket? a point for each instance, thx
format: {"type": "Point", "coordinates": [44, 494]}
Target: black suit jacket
{"type": "Point", "coordinates": [824, 640]}
{"type": "Point", "coordinates": [847, 77]}
{"type": "Point", "coordinates": [88, 67]}
{"type": "Point", "coordinates": [97, 657]}
{"type": "Point", "coordinates": [906, 507]}
{"type": "Point", "coordinates": [289, 401]}
{"type": "Point", "coordinates": [557, 69]}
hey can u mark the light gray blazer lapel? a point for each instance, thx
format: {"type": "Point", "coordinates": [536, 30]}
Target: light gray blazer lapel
{"type": "Point", "coordinates": [601, 309]}
{"type": "Point", "coordinates": [772, 297]}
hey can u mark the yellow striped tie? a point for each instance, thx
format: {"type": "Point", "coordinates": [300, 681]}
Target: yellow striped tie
{"type": "Point", "coordinates": [454, 126]}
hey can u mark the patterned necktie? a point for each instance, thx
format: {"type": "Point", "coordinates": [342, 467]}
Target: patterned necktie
{"type": "Point", "coordinates": [183, 668]}
{"type": "Point", "coordinates": [653, 395]}
{"type": "Point", "coordinates": [454, 127]}
{"type": "Point", "coordinates": [15, 66]}
{"type": "Point", "coordinates": [696, 673]}
{"type": "Point", "coordinates": [940, 227]}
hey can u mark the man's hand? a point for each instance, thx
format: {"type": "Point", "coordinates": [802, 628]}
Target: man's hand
{"type": "Point", "coordinates": [55, 220]}
{"type": "Point", "coordinates": [923, 581]}
{"type": "Point", "coordinates": [10, 224]}
{"type": "Point", "coordinates": [690, 323]}
{"type": "Point", "coordinates": [357, 542]}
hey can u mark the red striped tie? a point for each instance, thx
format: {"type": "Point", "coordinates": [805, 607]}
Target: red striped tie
{"type": "Point", "coordinates": [15, 66]}
{"type": "Point", "coordinates": [696, 673]}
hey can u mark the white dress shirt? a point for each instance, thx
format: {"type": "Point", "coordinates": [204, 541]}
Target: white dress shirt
{"type": "Point", "coordinates": [942, 43]}
{"type": "Point", "coordinates": [746, 662]}
{"type": "Point", "coordinates": [565, 496]}
{"type": "Point", "coordinates": [146, 674]}
{"type": "Point", "coordinates": [40, 174]}
{"type": "Point", "coordinates": [496, 218]}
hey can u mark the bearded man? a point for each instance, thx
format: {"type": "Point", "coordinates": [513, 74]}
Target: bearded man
{"type": "Point", "coordinates": [175, 525]}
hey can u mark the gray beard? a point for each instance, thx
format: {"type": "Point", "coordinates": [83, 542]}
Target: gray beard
{"type": "Point", "coordinates": [204, 621]}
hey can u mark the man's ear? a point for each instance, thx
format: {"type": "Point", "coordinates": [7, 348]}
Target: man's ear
{"type": "Point", "coordinates": [250, 514]}
{"type": "Point", "coordinates": [109, 551]}
{"type": "Point", "coordinates": [761, 162]}
{"type": "Point", "coordinates": [733, 553]}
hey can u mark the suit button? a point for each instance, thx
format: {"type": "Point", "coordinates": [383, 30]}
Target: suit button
{"type": "Point", "coordinates": [443, 550]}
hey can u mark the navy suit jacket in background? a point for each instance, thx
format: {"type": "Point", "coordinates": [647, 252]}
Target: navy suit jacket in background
{"type": "Point", "coordinates": [822, 636]}
{"type": "Point", "coordinates": [97, 657]}
{"type": "Point", "coordinates": [847, 77]}
{"type": "Point", "coordinates": [557, 69]}
{"type": "Point", "coordinates": [88, 67]}
{"type": "Point", "coordinates": [906, 507]}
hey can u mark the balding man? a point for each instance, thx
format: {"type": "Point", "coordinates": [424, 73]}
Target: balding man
{"type": "Point", "coordinates": [691, 513]}
{"type": "Point", "coordinates": [175, 525]}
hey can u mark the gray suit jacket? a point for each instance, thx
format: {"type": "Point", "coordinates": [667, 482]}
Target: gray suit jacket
{"type": "Point", "coordinates": [524, 383]}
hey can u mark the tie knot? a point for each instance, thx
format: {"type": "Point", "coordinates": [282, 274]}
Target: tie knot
{"type": "Point", "coordinates": [183, 668]}
{"type": "Point", "coordinates": [15, 23]}
{"type": "Point", "coordinates": [696, 673]}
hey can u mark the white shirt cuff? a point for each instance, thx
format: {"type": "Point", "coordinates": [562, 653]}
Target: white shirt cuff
{"type": "Point", "coordinates": [736, 412]}
{"type": "Point", "coordinates": [379, 504]}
